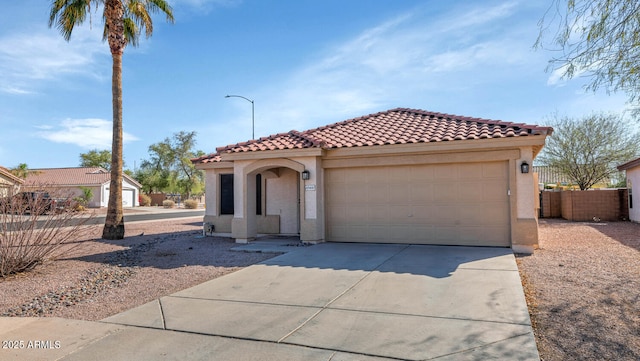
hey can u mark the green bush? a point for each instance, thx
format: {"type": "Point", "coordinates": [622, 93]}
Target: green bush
{"type": "Point", "coordinates": [191, 204]}
{"type": "Point", "coordinates": [168, 203]}
{"type": "Point", "coordinates": [144, 200]}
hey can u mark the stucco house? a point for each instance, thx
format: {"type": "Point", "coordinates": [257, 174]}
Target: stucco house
{"type": "Point", "coordinates": [632, 171]}
{"type": "Point", "coordinates": [9, 183]}
{"type": "Point", "coordinates": [399, 176]}
{"type": "Point", "coordinates": [69, 182]}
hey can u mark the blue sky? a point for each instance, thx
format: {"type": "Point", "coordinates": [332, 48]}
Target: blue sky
{"type": "Point", "coordinates": [304, 63]}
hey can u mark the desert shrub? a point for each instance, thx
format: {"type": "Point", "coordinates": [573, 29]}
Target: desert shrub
{"type": "Point", "coordinates": [85, 198]}
{"type": "Point", "coordinates": [30, 236]}
{"type": "Point", "coordinates": [191, 204]}
{"type": "Point", "coordinates": [144, 200]}
{"type": "Point", "coordinates": [168, 203]}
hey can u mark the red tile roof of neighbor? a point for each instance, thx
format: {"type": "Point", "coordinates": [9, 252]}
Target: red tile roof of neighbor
{"type": "Point", "coordinates": [395, 126]}
{"type": "Point", "coordinates": [77, 176]}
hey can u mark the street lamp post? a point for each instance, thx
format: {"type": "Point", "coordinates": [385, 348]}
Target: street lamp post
{"type": "Point", "coordinates": [253, 136]}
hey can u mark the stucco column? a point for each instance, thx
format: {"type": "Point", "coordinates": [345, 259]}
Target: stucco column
{"type": "Point", "coordinates": [211, 193]}
{"type": "Point", "coordinates": [243, 226]}
{"type": "Point", "coordinates": [312, 222]}
{"type": "Point", "coordinates": [524, 232]}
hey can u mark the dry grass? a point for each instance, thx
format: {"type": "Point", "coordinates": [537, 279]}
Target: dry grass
{"type": "Point", "coordinates": [583, 290]}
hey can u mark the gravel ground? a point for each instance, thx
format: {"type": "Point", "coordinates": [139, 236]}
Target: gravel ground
{"type": "Point", "coordinates": [101, 278]}
{"type": "Point", "coordinates": [582, 286]}
{"type": "Point", "coordinates": [583, 290]}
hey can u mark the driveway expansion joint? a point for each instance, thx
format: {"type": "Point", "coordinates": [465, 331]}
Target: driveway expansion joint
{"type": "Point", "coordinates": [326, 306]}
{"type": "Point", "coordinates": [429, 316]}
{"type": "Point", "coordinates": [164, 320]}
{"type": "Point", "coordinates": [481, 346]}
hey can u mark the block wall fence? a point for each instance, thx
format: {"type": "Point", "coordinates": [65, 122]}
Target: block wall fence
{"type": "Point", "coordinates": [581, 206]}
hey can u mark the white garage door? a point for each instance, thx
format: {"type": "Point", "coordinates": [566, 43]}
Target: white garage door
{"type": "Point", "coordinates": [452, 204]}
{"type": "Point", "coordinates": [128, 199]}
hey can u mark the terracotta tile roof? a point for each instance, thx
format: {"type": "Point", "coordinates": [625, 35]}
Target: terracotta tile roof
{"type": "Point", "coordinates": [548, 174]}
{"type": "Point", "coordinates": [395, 126]}
{"type": "Point", "coordinates": [78, 176]}
{"type": "Point", "coordinates": [6, 173]}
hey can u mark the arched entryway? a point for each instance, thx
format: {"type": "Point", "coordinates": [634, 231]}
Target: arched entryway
{"type": "Point", "coordinates": [272, 199]}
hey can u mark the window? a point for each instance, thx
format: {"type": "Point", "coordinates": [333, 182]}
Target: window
{"type": "Point", "coordinates": [226, 194]}
{"type": "Point", "coordinates": [258, 194]}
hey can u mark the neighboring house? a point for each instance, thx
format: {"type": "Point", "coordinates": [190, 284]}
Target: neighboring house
{"type": "Point", "coordinates": [9, 183]}
{"type": "Point", "coordinates": [400, 176]}
{"type": "Point", "coordinates": [69, 182]}
{"type": "Point", "coordinates": [632, 170]}
{"type": "Point", "coordinates": [550, 175]}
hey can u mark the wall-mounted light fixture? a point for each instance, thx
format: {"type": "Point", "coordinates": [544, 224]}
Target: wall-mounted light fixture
{"type": "Point", "coordinates": [306, 175]}
{"type": "Point", "coordinates": [524, 167]}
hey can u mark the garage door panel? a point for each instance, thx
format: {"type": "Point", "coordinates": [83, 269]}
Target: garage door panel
{"type": "Point", "coordinates": [400, 194]}
{"type": "Point", "coordinates": [356, 213]}
{"type": "Point", "coordinates": [398, 174]}
{"type": "Point", "coordinates": [495, 170]}
{"type": "Point", "coordinates": [356, 194]}
{"type": "Point", "coordinates": [421, 173]}
{"type": "Point", "coordinates": [471, 192]}
{"type": "Point", "coordinates": [336, 193]}
{"type": "Point", "coordinates": [464, 204]}
{"type": "Point", "coordinates": [445, 171]}
{"type": "Point", "coordinates": [471, 171]}
{"type": "Point", "coordinates": [493, 192]}
{"type": "Point", "coordinates": [482, 215]}
{"type": "Point", "coordinates": [445, 214]}
{"type": "Point", "coordinates": [338, 215]}
{"type": "Point", "coordinates": [443, 234]}
{"type": "Point", "coordinates": [378, 194]}
{"type": "Point", "coordinates": [400, 214]}
{"type": "Point", "coordinates": [445, 192]}
{"type": "Point", "coordinates": [356, 175]}
{"type": "Point", "coordinates": [378, 232]}
{"type": "Point", "coordinates": [335, 177]}
{"type": "Point", "coordinates": [422, 214]}
{"type": "Point", "coordinates": [378, 213]}
{"type": "Point", "coordinates": [421, 192]}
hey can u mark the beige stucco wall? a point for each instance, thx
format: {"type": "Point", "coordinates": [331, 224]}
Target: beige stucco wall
{"type": "Point", "coordinates": [7, 187]}
{"type": "Point", "coordinates": [526, 186]}
{"type": "Point", "coordinates": [633, 183]}
{"type": "Point", "coordinates": [522, 201]}
{"type": "Point", "coordinates": [212, 215]}
{"type": "Point", "coordinates": [524, 226]}
{"type": "Point", "coordinates": [282, 199]}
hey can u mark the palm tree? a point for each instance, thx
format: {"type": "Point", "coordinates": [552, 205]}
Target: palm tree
{"type": "Point", "coordinates": [21, 171]}
{"type": "Point", "coordinates": [124, 20]}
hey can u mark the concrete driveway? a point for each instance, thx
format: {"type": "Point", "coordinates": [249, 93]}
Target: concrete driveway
{"type": "Point", "coordinates": [334, 302]}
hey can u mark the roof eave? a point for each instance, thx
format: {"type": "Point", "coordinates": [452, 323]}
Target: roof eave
{"type": "Point", "coordinates": [628, 165]}
{"type": "Point", "coordinates": [536, 141]}
{"type": "Point", "coordinates": [267, 154]}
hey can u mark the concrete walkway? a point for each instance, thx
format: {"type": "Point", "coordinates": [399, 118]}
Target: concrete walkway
{"type": "Point", "coordinates": [325, 302]}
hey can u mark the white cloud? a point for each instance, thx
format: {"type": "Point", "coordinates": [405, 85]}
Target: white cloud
{"type": "Point", "coordinates": [86, 133]}
{"type": "Point", "coordinates": [397, 63]}
{"type": "Point", "coordinates": [28, 59]}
